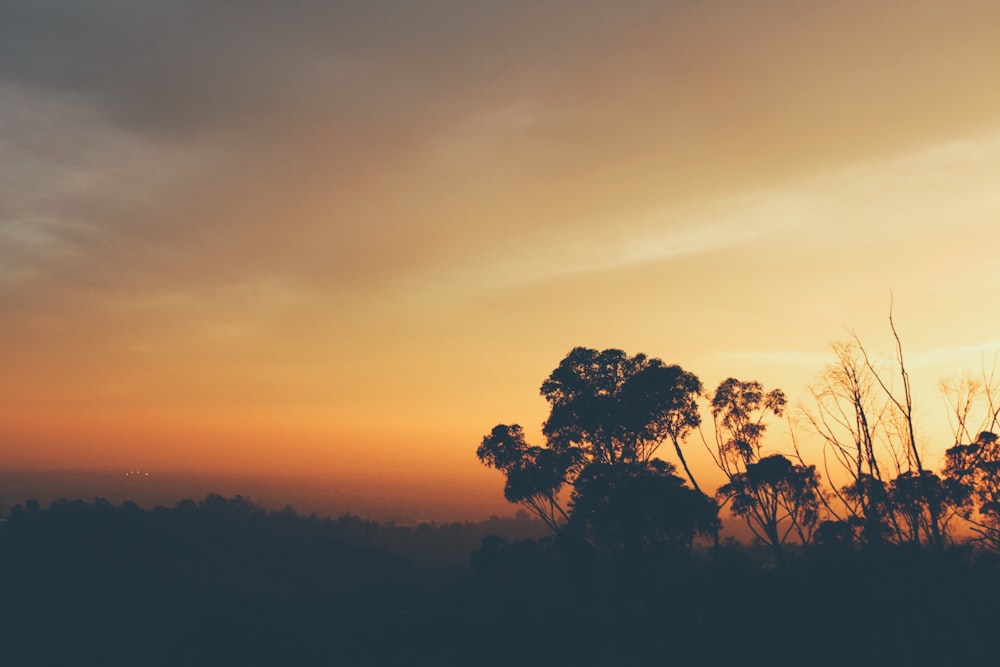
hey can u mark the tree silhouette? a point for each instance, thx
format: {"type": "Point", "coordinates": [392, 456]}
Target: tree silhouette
{"type": "Point", "coordinates": [619, 409]}
{"type": "Point", "coordinates": [868, 427]}
{"type": "Point", "coordinates": [610, 413]}
{"type": "Point", "coordinates": [634, 508]}
{"type": "Point", "coordinates": [739, 409]}
{"type": "Point", "coordinates": [535, 475]}
{"type": "Point", "coordinates": [872, 514]}
{"type": "Point", "coordinates": [974, 473]}
{"type": "Point", "coordinates": [921, 503]}
{"type": "Point", "coordinates": [916, 515]}
{"type": "Point", "coordinates": [850, 419]}
{"type": "Point", "coordinates": [774, 496]}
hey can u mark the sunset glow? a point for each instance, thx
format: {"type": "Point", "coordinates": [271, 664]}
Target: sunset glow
{"type": "Point", "coordinates": [349, 238]}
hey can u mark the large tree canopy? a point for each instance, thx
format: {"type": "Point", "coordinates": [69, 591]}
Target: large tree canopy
{"type": "Point", "coordinates": [614, 408]}
{"type": "Point", "coordinates": [610, 413]}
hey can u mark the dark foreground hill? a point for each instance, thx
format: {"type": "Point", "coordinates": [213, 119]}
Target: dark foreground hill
{"type": "Point", "coordinates": [222, 582]}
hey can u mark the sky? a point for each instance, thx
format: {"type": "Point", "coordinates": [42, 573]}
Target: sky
{"type": "Point", "coordinates": [348, 238]}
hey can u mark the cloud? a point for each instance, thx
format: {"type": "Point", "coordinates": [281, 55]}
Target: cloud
{"type": "Point", "coordinates": [358, 146]}
{"type": "Point", "coordinates": [920, 221]}
{"type": "Point", "coordinates": [951, 357]}
{"type": "Point", "coordinates": [185, 67]}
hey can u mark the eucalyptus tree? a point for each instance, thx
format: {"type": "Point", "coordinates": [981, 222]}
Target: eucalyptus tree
{"type": "Point", "coordinates": [613, 408]}
{"type": "Point", "coordinates": [774, 496]}
{"type": "Point", "coordinates": [534, 475]}
{"type": "Point", "coordinates": [610, 414]}
{"type": "Point", "coordinates": [777, 498]}
{"type": "Point", "coordinates": [973, 470]}
{"type": "Point", "coordinates": [636, 508]}
{"type": "Point", "coordinates": [740, 409]}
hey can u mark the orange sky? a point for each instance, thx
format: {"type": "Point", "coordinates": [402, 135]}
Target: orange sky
{"type": "Point", "coordinates": [349, 238]}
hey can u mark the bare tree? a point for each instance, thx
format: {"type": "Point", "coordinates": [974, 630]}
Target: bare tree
{"type": "Point", "coordinates": [973, 403]}
{"type": "Point", "coordinates": [849, 417]}
{"type": "Point", "coordinates": [920, 503]}
{"type": "Point", "coordinates": [904, 404]}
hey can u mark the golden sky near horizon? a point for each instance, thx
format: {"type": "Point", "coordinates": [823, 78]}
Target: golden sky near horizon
{"type": "Point", "coordinates": [349, 238]}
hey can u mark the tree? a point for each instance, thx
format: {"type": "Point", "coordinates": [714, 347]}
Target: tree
{"type": "Point", "coordinates": [774, 496]}
{"type": "Point", "coordinates": [739, 409]}
{"type": "Point", "coordinates": [867, 424]}
{"type": "Point", "coordinates": [619, 409]}
{"type": "Point", "coordinates": [634, 508]}
{"type": "Point", "coordinates": [535, 475]}
{"type": "Point", "coordinates": [918, 502]}
{"type": "Point", "coordinates": [974, 471]}
{"type": "Point", "coordinates": [922, 503]}
{"type": "Point", "coordinates": [851, 422]}
{"type": "Point", "coordinates": [610, 413]}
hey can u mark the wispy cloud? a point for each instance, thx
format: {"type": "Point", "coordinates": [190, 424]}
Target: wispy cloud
{"type": "Point", "coordinates": [942, 191]}
{"type": "Point", "coordinates": [983, 354]}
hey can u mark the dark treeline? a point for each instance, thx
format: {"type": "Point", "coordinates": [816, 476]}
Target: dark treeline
{"type": "Point", "coordinates": [222, 581]}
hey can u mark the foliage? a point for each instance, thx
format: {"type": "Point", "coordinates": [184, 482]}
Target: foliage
{"type": "Point", "coordinates": [636, 507]}
{"type": "Point", "coordinates": [610, 413]}
{"type": "Point", "coordinates": [739, 409]}
{"type": "Point", "coordinates": [616, 408]}
{"type": "Point", "coordinates": [776, 497]}
{"type": "Point", "coordinates": [920, 500]}
{"type": "Point", "coordinates": [534, 475]}
{"type": "Point", "coordinates": [871, 495]}
{"type": "Point", "coordinates": [974, 470]}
